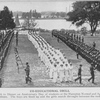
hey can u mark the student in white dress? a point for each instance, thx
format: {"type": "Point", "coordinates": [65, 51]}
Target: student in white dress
{"type": "Point", "coordinates": [55, 73]}
{"type": "Point", "coordinates": [51, 70]}
{"type": "Point", "coordinates": [66, 67]}
{"type": "Point", "coordinates": [61, 73]}
{"type": "Point", "coordinates": [71, 72]}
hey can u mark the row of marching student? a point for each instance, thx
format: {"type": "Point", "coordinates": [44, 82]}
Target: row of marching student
{"type": "Point", "coordinates": [58, 67]}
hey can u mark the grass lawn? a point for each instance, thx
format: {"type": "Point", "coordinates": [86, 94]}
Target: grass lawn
{"type": "Point", "coordinates": [40, 78]}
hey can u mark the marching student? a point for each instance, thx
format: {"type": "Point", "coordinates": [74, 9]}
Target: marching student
{"type": "Point", "coordinates": [27, 69]}
{"type": "Point", "coordinates": [92, 73]}
{"type": "Point", "coordinates": [61, 73]}
{"type": "Point", "coordinates": [0, 82]}
{"type": "Point", "coordinates": [71, 72]}
{"type": "Point", "coordinates": [17, 38]}
{"type": "Point", "coordinates": [94, 44]}
{"type": "Point", "coordinates": [51, 70]}
{"type": "Point", "coordinates": [79, 74]}
{"type": "Point", "coordinates": [77, 54]}
{"type": "Point", "coordinates": [55, 73]}
{"type": "Point", "coordinates": [66, 68]}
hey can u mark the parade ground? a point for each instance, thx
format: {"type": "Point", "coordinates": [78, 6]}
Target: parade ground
{"type": "Point", "coordinates": [12, 78]}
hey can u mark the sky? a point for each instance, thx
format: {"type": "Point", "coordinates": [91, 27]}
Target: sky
{"type": "Point", "coordinates": [39, 5]}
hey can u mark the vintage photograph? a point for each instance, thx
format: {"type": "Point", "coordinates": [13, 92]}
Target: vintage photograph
{"type": "Point", "coordinates": [49, 43]}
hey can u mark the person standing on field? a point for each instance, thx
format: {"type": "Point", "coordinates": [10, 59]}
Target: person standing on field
{"type": "Point", "coordinates": [17, 38]}
{"type": "Point", "coordinates": [92, 73]}
{"type": "Point", "coordinates": [27, 69]}
{"type": "Point", "coordinates": [79, 74]}
{"type": "Point", "coordinates": [0, 82]}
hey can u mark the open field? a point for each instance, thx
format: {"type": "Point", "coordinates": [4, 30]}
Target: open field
{"type": "Point", "coordinates": [89, 40]}
{"type": "Point", "coordinates": [40, 78]}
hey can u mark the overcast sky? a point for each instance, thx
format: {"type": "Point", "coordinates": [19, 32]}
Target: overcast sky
{"type": "Point", "coordinates": [39, 5]}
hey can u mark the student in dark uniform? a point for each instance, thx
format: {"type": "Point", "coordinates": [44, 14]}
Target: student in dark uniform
{"type": "Point", "coordinates": [79, 74]}
{"type": "Point", "coordinates": [0, 82]}
{"type": "Point", "coordinates": [16, 38]}
{"type": "Point", "coordinates": [92, 73]}
{"type": "Point", "coordinates": [77, 54]}
{"type": "Point", "coordinates": [94, 44]}
{"type": "Point", "coordinates": [82, 39]}
{"type": "Point", "coordinates": [27, 70]}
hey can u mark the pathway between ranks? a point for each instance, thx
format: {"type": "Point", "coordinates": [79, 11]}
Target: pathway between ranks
{"type": "Point", "coordinates": [40, 78]}
{"type": "Point", "coordinates": [27, 52]}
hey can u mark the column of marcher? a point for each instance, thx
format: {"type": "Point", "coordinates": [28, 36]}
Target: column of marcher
{"type": "Point", "coordinates": [56, 63]}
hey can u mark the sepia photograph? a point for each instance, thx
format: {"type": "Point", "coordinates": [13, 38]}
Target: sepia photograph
{"type": "Point", "coordinates": [49, 43]}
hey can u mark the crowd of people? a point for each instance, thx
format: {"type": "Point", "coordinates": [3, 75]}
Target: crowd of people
{"type": "Point", "coordinates": [76, 42]}
{"type": "Point", "coordinates": [58, 67]}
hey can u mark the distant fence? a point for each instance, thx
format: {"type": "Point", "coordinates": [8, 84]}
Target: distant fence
{"type": "Point", "coordinates": [91, 54]}
{"type": "Point", "coordinates": [4, 46]}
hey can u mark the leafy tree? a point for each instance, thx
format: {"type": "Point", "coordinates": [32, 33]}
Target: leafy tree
{"type": "Point", "coordinates": [6, 19]}
{"type": "Point", "coordinates": [17, 21]}
{"type": "Point", "coordinates": [85, 12]}
{"type": "Point", "coordinates": [31, 14]}
{"type": "Point", "coordinates": [29, 23]}
{"type": "Point", "coordinates": [62, 14]}
{"type": "Point", "coordinates": [23, 15]}
{"type": "Point", "coordinates": [84, 30]}
{"type": "Point", "coordinates": [26, 23]}
{"type": "Point", "coordinates": [0, 21]}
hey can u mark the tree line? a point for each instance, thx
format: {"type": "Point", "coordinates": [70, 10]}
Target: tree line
{"type": "Point", "coordinates": [85, 12]}
{"type": "Point", "coordinates": [6, 19]}
{"type": "Point", "coordinates": [31, 14]}
{"type": "Point", "coordinates": [37, 15]}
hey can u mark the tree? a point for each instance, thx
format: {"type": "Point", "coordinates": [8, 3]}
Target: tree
{"type": "Point", "coordinates": [17, 21]}
{"type": "Point", "coordinates": [26, 23]}
{"type": "Point", "coordinates": [24, 15]}
{"type": "Point", "coordinates": [0, 21]}
{"type": "Point", "coordinates": [85, 12]}
{"type": "Point", "coordinates": [6, 19]}
{"type": "Point", "coordinates": [84, 30]}
{"type": "Point", "coordinates": [29, 23]}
